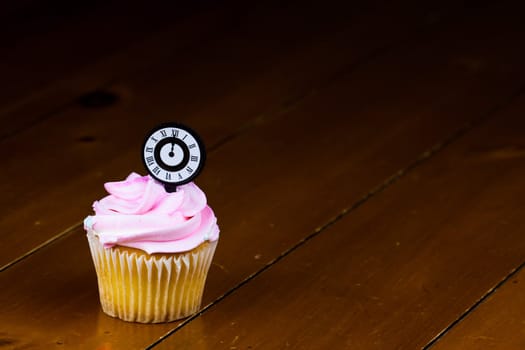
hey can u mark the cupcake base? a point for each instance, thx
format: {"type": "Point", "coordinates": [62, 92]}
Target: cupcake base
{"type": "Point", "coordinates": [150, 288]}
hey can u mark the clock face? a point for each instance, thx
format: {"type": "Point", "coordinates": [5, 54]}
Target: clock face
{"type": "Point", "coordinates": [173, 154]}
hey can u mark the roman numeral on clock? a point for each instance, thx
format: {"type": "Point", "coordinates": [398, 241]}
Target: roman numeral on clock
{"type": "Point", "coordinates": [163, 133]}
{"type": "Point", "coordinates": [175, 132]}
{"type": "Point", "coordinates": [189, 169]}
{"type": "Point", "coordinates": [168, 176]}
{"type": "Point", "coordinates": [149, 149]}
{"type": "Point", "coordinates": [194, 158]}
{"type": "Point", "coordinates": [156, 170]}
{"type": "Point", "coordinates": [191, 146]}
{"type": "Point", "coordinates": [150, 160]}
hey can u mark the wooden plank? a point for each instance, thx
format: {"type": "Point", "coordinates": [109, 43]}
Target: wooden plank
{"type": "Point", "coordinates": [81, 48]}
{"type": "Point", "coordinates": [258, 78]}
{"type": "Point", "coordinates": [255, 201]}
{"type": "Point", "coordinates": [40, 88]}
{"type": "Point", "coordinates": [498, 322]}
{"type": "Point", "coordinates": [29, 319]}
{"type": "Point", "coordinates": [99, 35]}
{"type": "Point", "coordinates": [400, 268]}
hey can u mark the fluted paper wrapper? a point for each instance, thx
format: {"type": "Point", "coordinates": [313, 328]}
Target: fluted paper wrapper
{"type": "Point", "coordinates": [138, 287]}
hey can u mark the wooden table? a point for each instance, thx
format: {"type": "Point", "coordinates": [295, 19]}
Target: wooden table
{"type": "Point", "coordinates": [366, 162]}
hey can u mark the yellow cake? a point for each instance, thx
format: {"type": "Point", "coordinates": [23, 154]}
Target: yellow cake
{"type": "Point", "coordinates": [143, 276]}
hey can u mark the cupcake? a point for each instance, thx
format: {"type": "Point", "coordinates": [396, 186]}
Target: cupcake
{"type": "Point", "coordinates": [152, 249]}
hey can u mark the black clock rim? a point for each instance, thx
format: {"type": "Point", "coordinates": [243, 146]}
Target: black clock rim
{"type": "Point", "coordinates": [162, 164]}
{"type": "Point", "coordinates": [197, 138]}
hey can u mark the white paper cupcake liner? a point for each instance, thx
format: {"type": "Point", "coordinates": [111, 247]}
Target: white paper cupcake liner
{"type": "Point", "coordinates": [146, 288]}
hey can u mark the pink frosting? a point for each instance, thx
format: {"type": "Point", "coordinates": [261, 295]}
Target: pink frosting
{"type": "Point", "coordinates": [139, 213]}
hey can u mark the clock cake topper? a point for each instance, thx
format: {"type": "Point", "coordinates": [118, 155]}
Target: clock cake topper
{"type": "Point", "coordinates": [173, 155]}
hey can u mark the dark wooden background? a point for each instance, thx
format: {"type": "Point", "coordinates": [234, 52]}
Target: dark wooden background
{"type": "Point", "coordinates": [366, 161]}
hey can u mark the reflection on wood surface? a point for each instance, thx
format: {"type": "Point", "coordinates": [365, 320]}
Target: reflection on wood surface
{"type": "Point", "coordinates": [365, 162]}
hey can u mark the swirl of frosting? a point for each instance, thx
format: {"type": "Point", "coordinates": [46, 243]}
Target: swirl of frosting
{"type": "Point", "coordinates": [139, 213]}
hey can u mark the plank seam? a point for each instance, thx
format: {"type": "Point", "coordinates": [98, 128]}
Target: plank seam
{"type": "Point", "coordinates": [473, 307]}
{"type": "Point", "coordinates": [519, 92]}
{"type": "Point", "coordinates": [37, 120]}
{"type": "Point", "coordinates": [294, 101]}
{"type": "Point", "coordinates": [40, 246]}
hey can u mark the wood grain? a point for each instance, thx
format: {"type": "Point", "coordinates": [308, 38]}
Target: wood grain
{"type": "Point", "coordinates": [37, 304]}
{"type": "Point", "coordinates": [496, 324]}
{"type": "Point", "coordinates": [400, 268]}
{"type": "Point", "coordinates": [371, 128]}
{"type": "Point", "coordinates": [77, 46]}
{"type": "Point", "coordinates": [255, 80]}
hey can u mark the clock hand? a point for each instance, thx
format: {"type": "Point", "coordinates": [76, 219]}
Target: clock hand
{"type": "Point", "coordinates": [171, 154]}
